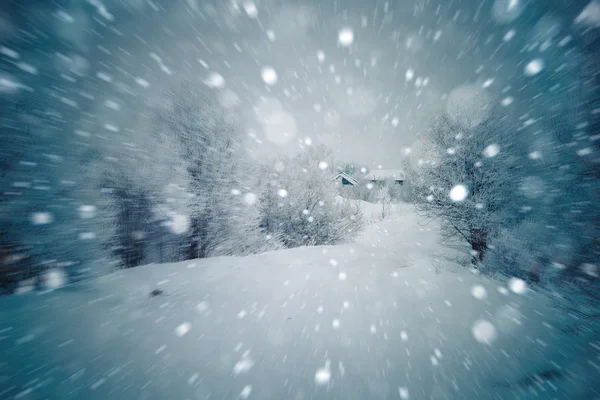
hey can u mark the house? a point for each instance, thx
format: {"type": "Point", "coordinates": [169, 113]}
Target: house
{"type": "Point", "coordinates": [382, 175]}
{"type": "Point", "coordinates": [345, 179]}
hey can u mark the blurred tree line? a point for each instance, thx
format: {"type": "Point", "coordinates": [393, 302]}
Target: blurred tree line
{"type": "Point", "coordinates": [180, 187]}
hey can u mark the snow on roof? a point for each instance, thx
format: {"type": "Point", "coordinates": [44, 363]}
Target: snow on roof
{"type": "Point", "coordinates": [347, 177]}
{"type": "Point", "coordinates": [383, 174]}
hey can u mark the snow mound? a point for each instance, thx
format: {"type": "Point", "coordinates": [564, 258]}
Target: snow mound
{"type": "Point", "coordinates": [402, 310]}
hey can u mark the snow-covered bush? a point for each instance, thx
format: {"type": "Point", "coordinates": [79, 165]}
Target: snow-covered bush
{"type": "Point", "coordinates": [364, 191]}
{"type": "Point", "coordinates": [199, 144]}
{"type": "Point", "coordinates": [558, 177]}
{"type": "Point", "coordinates": [520, 252]}
{"type": "Point", "coordinates": [385, 192]}
{"type": "Point", "coordinates": [130, 220]}
{"type": "Point", "coordinates": [300, 205]}
{"type": "Point", "coordinates": [464, 175]}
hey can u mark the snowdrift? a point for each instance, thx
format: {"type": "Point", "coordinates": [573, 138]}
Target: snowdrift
{"type": "Point", "coordinates": [386, 317]}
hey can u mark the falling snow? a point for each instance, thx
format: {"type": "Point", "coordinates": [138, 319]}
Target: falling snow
{"type": "Point", "coordinates": [458, 193]}
{"type": "Point", "coordinates": [323, 375]}
{"type": "Point", "coordinates": [534, 67]}
{"type": "Point", "coordinates": [517, 285]}
{"type": "Point", "coordinates": [285, 199]}
{"type": "Point", "coordinates": [491, 151]}
{"type": "Point", "coordinates": [269, 76]}
{"type": "Point", "coordinates": [346, 37]}
{"type": "Point", "coordinates": [484, 331]}
{"type": "Point", "coordinates": [183, 329]}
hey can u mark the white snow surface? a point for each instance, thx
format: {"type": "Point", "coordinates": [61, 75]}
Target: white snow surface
{"type": "Point", "coordinates": [372, 211]}
{"type": "Point", "coordinates": [383, 174]}
{"type": "Point", "coordinates": [108, 338]}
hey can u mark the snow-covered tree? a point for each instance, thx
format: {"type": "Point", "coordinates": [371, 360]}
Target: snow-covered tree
{"type": "Point", "coordinates": [560, 179]}
{"type": "Point", "coordinates": [200, 146]}
{"type": "Point", "coordinates": [385, 192]}
{"type": "Point", "coordinates": [300, 205]}
{"type": "Point", "coordinates": [129, 217]}
{"type": "Point", "coordinates": [349, 168]}
{"type": "Point", "coordinates": [463, 173]}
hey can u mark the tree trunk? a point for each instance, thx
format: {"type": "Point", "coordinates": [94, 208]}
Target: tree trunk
{"type": "Point", "coordinates": [192, 250]}
{"type": "Point", "coordinates": [480, 247]}
{"type": "Point", "coordinates": [478, 243]}
{"type": "Point", "coordinates": [198, 247]}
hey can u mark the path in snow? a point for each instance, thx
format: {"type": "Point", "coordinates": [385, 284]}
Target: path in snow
{"type": "Point", "coordinates": [385, 318]}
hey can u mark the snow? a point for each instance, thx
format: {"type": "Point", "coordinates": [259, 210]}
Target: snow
{"type": "Point", "coordinates": [179, 223]}
{"type": "Point", "coordinates": [243, 365]}
{"type": "Point", "coordinates": [280, 127]}
{"type": "Point", "coordinates": [54, 279]}
{"type": "Point", "coordinates": [353, 181]}
{"type": "Point", "coordinates": [245, 393]}
{"type": "Point", "coordinates": [534, 67]}
{"type": "Point", "coordinates": [104, 76]}
{"type": "Point", "coordinates": [251, 9]}
{"type": "Point", "coordinates": [323, 375]}
{"type": "Point", "coordinates": [590, 15]}
{"type": "Point", "coordinates": [479, 292]}
{"type": "Point", "coordinates": [346, 37]}
{"type": "Point", "coordinates": [509, 35]}
{"type": "Point", "coordinates": [467, 105]}
{"type": "Point", "coordinates": [491, 151]}
{"type": "Point", "coordinates": [517, 285]}
{"type": "Point", "coordinates": [215, 80]}
{"type": "Point", "coordinates": [250, 198]}
{"type": "Point", "coordinates": [484, 331]}
{"type": "Point", "coordinates": [383, 174]}
{"type": "Point", "coordinates": [506, 11]}
{"type": "Point", "coordinates": [109, 338]}
{"type": "Point", "coordinates": [266, 107]}
{"type": "Point", "coordinates": [41, 218]}
{"type": "Point", "coordinates": [8, 84]}
{"type": "Point", "coordinates": [9, 53]}
{"type": "Point", "coordinates": [142, 82]}
{"type": "Point", "coordinates": [332, 118]}
{"type": "Point", "coordinates": [458, 193]}
{"type": "Point", "coordinates": [229, 99]}
{"type": "Point", "coordinates": [269, 75]}
{"type": "Point", "coordinates": [403, 392]}
{"type": "Point", "coordinates": [372, 211]}
{"type": "Point", "coordinates": [507, 101]}
{"type": "Point", "coordinates": [488, 83]}
{"type": "Point", "coordinates": [182, 329]}
{"type": "Point", "coordinates": [85, 111]}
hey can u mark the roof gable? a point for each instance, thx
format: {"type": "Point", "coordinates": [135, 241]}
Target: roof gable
{"type": "Point", "coordinates": [342, 175]}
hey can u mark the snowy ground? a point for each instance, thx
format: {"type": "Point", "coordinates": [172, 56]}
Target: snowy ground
{"type": "Point", "coordinates": [372, 212]}
{"type": "Point", "coordinates": [387, 317]}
